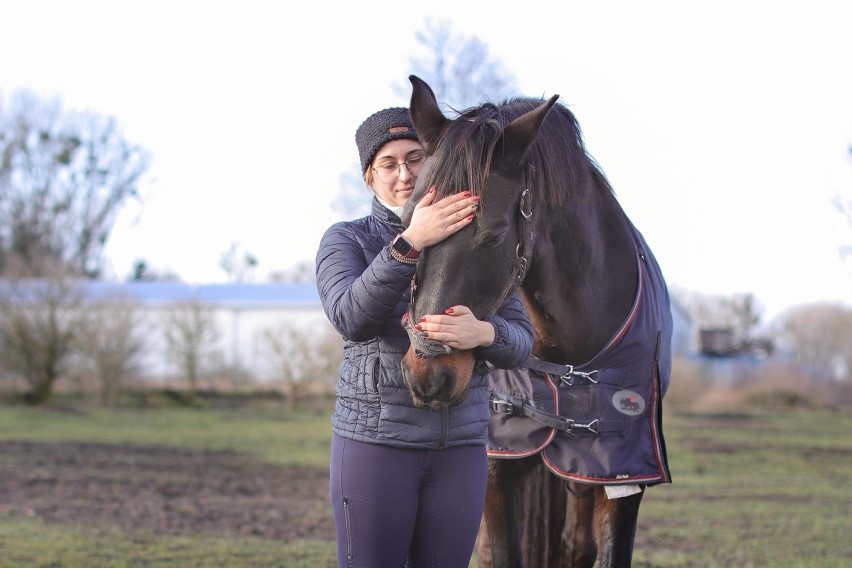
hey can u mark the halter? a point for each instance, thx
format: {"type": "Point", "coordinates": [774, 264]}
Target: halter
{"type": "Point", "coordinates": [426, 348]}
{"type": "Point", "coordinates": [523, 251]}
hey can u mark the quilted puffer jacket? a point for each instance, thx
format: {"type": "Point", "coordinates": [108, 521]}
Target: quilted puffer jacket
{"type": "Point", "coordinates": [365, 292]}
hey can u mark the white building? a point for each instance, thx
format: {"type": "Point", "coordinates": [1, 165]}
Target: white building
{"type": "Point", "coordinates": [242, 313]}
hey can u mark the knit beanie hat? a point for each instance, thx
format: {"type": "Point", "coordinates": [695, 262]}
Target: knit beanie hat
{"type": "Point", "coordinates": [380, 128]}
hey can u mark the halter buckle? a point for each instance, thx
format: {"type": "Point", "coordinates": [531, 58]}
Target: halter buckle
{"type": "Point", "coordinates": [526, 204]}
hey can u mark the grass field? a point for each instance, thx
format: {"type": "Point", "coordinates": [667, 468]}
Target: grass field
{"type": "Point", "coordinates": [751, 489]}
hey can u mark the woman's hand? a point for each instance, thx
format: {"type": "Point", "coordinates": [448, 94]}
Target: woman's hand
{"type": "Point", "coordinates": [458, 328]}
{"type": "Point", "coordinates": [432, 222]}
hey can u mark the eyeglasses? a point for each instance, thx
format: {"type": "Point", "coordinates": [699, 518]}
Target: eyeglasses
{"type": "Point", "coordinates": [389, 172]}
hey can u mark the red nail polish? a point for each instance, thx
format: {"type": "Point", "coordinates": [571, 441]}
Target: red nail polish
{"type": "Point", "coordinates": [417, 327]}
{"type": "Point", "coordinates": [466, 194]}
{"type": "Point", "coordinates": [431, 190]}
{"type": "Point", "coordinates": [469, 218]}
{"type": "Point", "coordinates": [449, 311]}
{"type": "Point", "coordinates": [475, 198]}
{"type": "Point", "coordinates": [422, 318]}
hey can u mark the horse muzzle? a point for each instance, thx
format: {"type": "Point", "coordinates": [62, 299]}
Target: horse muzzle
{"type": "Point", "coordinates": [438, 381]}
{"type": "Point", "coordinates": [436, 374]}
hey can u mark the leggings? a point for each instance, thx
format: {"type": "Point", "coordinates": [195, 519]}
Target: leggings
{"type": "Point", "coordinates": [393, 506]}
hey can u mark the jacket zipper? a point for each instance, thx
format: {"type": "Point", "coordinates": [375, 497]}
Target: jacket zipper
{"type": "Point", "coordinates": [444, 416]}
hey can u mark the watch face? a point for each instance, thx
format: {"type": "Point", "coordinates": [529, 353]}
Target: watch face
{"type": "Point", "coordinates": [402, 246]}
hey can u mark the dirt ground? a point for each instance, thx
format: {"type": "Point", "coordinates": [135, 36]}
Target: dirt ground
{"type": "Point", "coordinates": [162, 490]}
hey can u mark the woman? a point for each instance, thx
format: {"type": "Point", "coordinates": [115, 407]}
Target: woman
{"type": "Point", "coordinates": [399, 494]}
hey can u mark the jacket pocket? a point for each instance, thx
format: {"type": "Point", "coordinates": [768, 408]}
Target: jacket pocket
{"type": "Point", "coordinates": [348, 525]}
{"type": "Point", "coordinates": [377, 368]}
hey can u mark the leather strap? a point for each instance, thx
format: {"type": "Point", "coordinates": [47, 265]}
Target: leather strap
{"type": "Point", "coordinates": [507, 405]}
{"type": "Point", "coordinates": [564, 372]}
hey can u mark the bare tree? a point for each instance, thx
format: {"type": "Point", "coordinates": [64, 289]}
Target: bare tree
{"type": "Point", "coordinates": [304, 359]}
{"type": "Point", "coordinates": [461, 72]}
{"type": "Point", "coordinates": [845, 209]}
{"type": "Point", "coordinates": [819, 337]}
{"type": "Point", "coordinates": [353, 199]}
{"type": "Point", "coordinates": [744, 313]}
{"type": "Point", "coordinates": [301, 272]}
{"type": "Point", "coordinates": [458, 68]}
{"type": "Point", "coordinates": [40, 322]}
{"type": "Point", "coordinates": [64, 176]}
{"type": "Point", "coordinates": [238, 263]}
{"type": "Point", "coordinates": [142, 272]}
{"type": "Point", "coordinates": [113, 343]}
{"type": "Point", "coordinates": [741, 313]}
{"type": "Point", "coordinates": [191, 334]}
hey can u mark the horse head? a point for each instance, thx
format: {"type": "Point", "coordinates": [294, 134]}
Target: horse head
{"type": "Point", "coordinates": [480, 265]}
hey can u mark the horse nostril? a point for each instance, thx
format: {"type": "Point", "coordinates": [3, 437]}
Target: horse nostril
{"type": "Point", "coordinates": [432, 383]}
{"type": "Point", "coordinates": [445, 382]}
{"type": "Point", "coordinates": [437, 385]}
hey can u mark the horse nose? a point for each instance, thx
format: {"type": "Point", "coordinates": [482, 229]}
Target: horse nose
{"type": "Point", "coordinates": [436, 386]}
{"type": "Point", "coordinates": [441, 382]}
{"type": "Point", "coordinates": [432, 385]}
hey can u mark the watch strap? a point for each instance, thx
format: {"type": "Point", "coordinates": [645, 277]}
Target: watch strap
{"type": "Point", "coordinates": [404, 248]}
{"type": "Point", "coordinates": [403, 259]}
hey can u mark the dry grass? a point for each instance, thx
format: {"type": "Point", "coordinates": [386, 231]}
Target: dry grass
{"type": "Point", "coordinates": [695, 387]}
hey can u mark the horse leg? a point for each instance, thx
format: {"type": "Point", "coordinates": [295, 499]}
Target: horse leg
{"type": "Point", "coordinates": [542, 503]}
{"type": "Point", "coordinates": [578, 537]}
{"type": "Point", "coordinates": [500, 532]}
{"type": "Point", "coordinates": [615, 528]}
{"type": "Point", "coordinates": [483, 543]}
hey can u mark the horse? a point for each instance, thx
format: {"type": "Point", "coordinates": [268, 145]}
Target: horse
{"type": "Point", "coordinates": [575, 436]}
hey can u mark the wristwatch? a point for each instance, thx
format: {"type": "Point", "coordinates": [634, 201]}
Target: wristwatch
{"type": "Point", "coordinates": [404, 251]}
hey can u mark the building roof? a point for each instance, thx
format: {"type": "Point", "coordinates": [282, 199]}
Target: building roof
{"type": "Point", "coordinates": [289, 294]}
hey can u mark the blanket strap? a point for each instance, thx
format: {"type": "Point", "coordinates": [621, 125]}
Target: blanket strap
{"type": "Point", "coordinates": [506, 405]}
{"type": "Point", "coordinates": [566, 373]}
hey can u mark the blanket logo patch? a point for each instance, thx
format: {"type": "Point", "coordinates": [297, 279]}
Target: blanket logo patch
{"type": "Point", "coordinates": [628, 402]}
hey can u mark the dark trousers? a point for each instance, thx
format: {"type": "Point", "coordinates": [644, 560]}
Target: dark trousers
{"type": "Point", "coordinates": [394, 505]}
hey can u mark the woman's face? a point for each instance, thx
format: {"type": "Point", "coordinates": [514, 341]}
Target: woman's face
{"type": "Point", "coordinates": [393, 181]}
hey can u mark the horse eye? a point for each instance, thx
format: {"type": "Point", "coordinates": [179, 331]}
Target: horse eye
{"type": "Point", "coordinates": [491, 239]}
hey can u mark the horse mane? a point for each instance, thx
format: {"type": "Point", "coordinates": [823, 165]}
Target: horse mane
{"type": "Point", "coordinates": [466, 148]}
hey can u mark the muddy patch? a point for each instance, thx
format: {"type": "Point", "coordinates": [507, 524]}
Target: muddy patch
{"type": "Point", "coordinates": [163, 490]}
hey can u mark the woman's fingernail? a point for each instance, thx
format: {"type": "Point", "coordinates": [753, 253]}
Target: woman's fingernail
{"type": "Point", "coordinates": [466, 193]}
{"type": "Point", "coordinates": [475, 198]}
{"type": "Point", "coordinates": [425, 334]}
{"type": "Point", "coordinates": [448, 311]}
{"type": "Point", "coordinates": [469, 218]}
{"type": "Point", "coordinates": [422, 318]}
{"type": "Point", "coordinates": [418, 327]}
{"type": "Point", "coordinates": [431, 190]}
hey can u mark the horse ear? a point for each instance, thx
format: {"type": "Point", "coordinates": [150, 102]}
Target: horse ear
{"type": "Point", "coordinates": [427, 117]}
{"type": "Point", "coordinates": [520, 133]}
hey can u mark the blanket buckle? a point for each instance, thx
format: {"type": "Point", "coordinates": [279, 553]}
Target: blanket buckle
{"type": "Point", "coordinates": [499, 406]}
{"type": "Point", "coordinates": [591, 426]}
{"type": "Point", "coordinates": [568, 378]}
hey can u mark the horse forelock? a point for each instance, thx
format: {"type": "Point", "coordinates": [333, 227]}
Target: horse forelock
{"type": "Point", "coordinates": [463, 152]}
{"type": "Point", "coordinates": [556, 168]}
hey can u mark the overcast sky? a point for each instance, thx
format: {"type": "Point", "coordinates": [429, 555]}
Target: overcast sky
{"type": "Point", "coordinates": [724, 127]}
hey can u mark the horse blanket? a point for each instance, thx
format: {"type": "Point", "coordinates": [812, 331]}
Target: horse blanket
{"type": "Point", "coordinates": [599, 422]}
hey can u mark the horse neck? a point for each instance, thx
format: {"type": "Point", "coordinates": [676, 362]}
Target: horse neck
{"type": "Point", "coordinates": [581, 281]}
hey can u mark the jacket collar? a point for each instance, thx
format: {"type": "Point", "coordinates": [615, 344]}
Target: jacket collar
{"type": "Point", "coordinates": [385, 214]}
